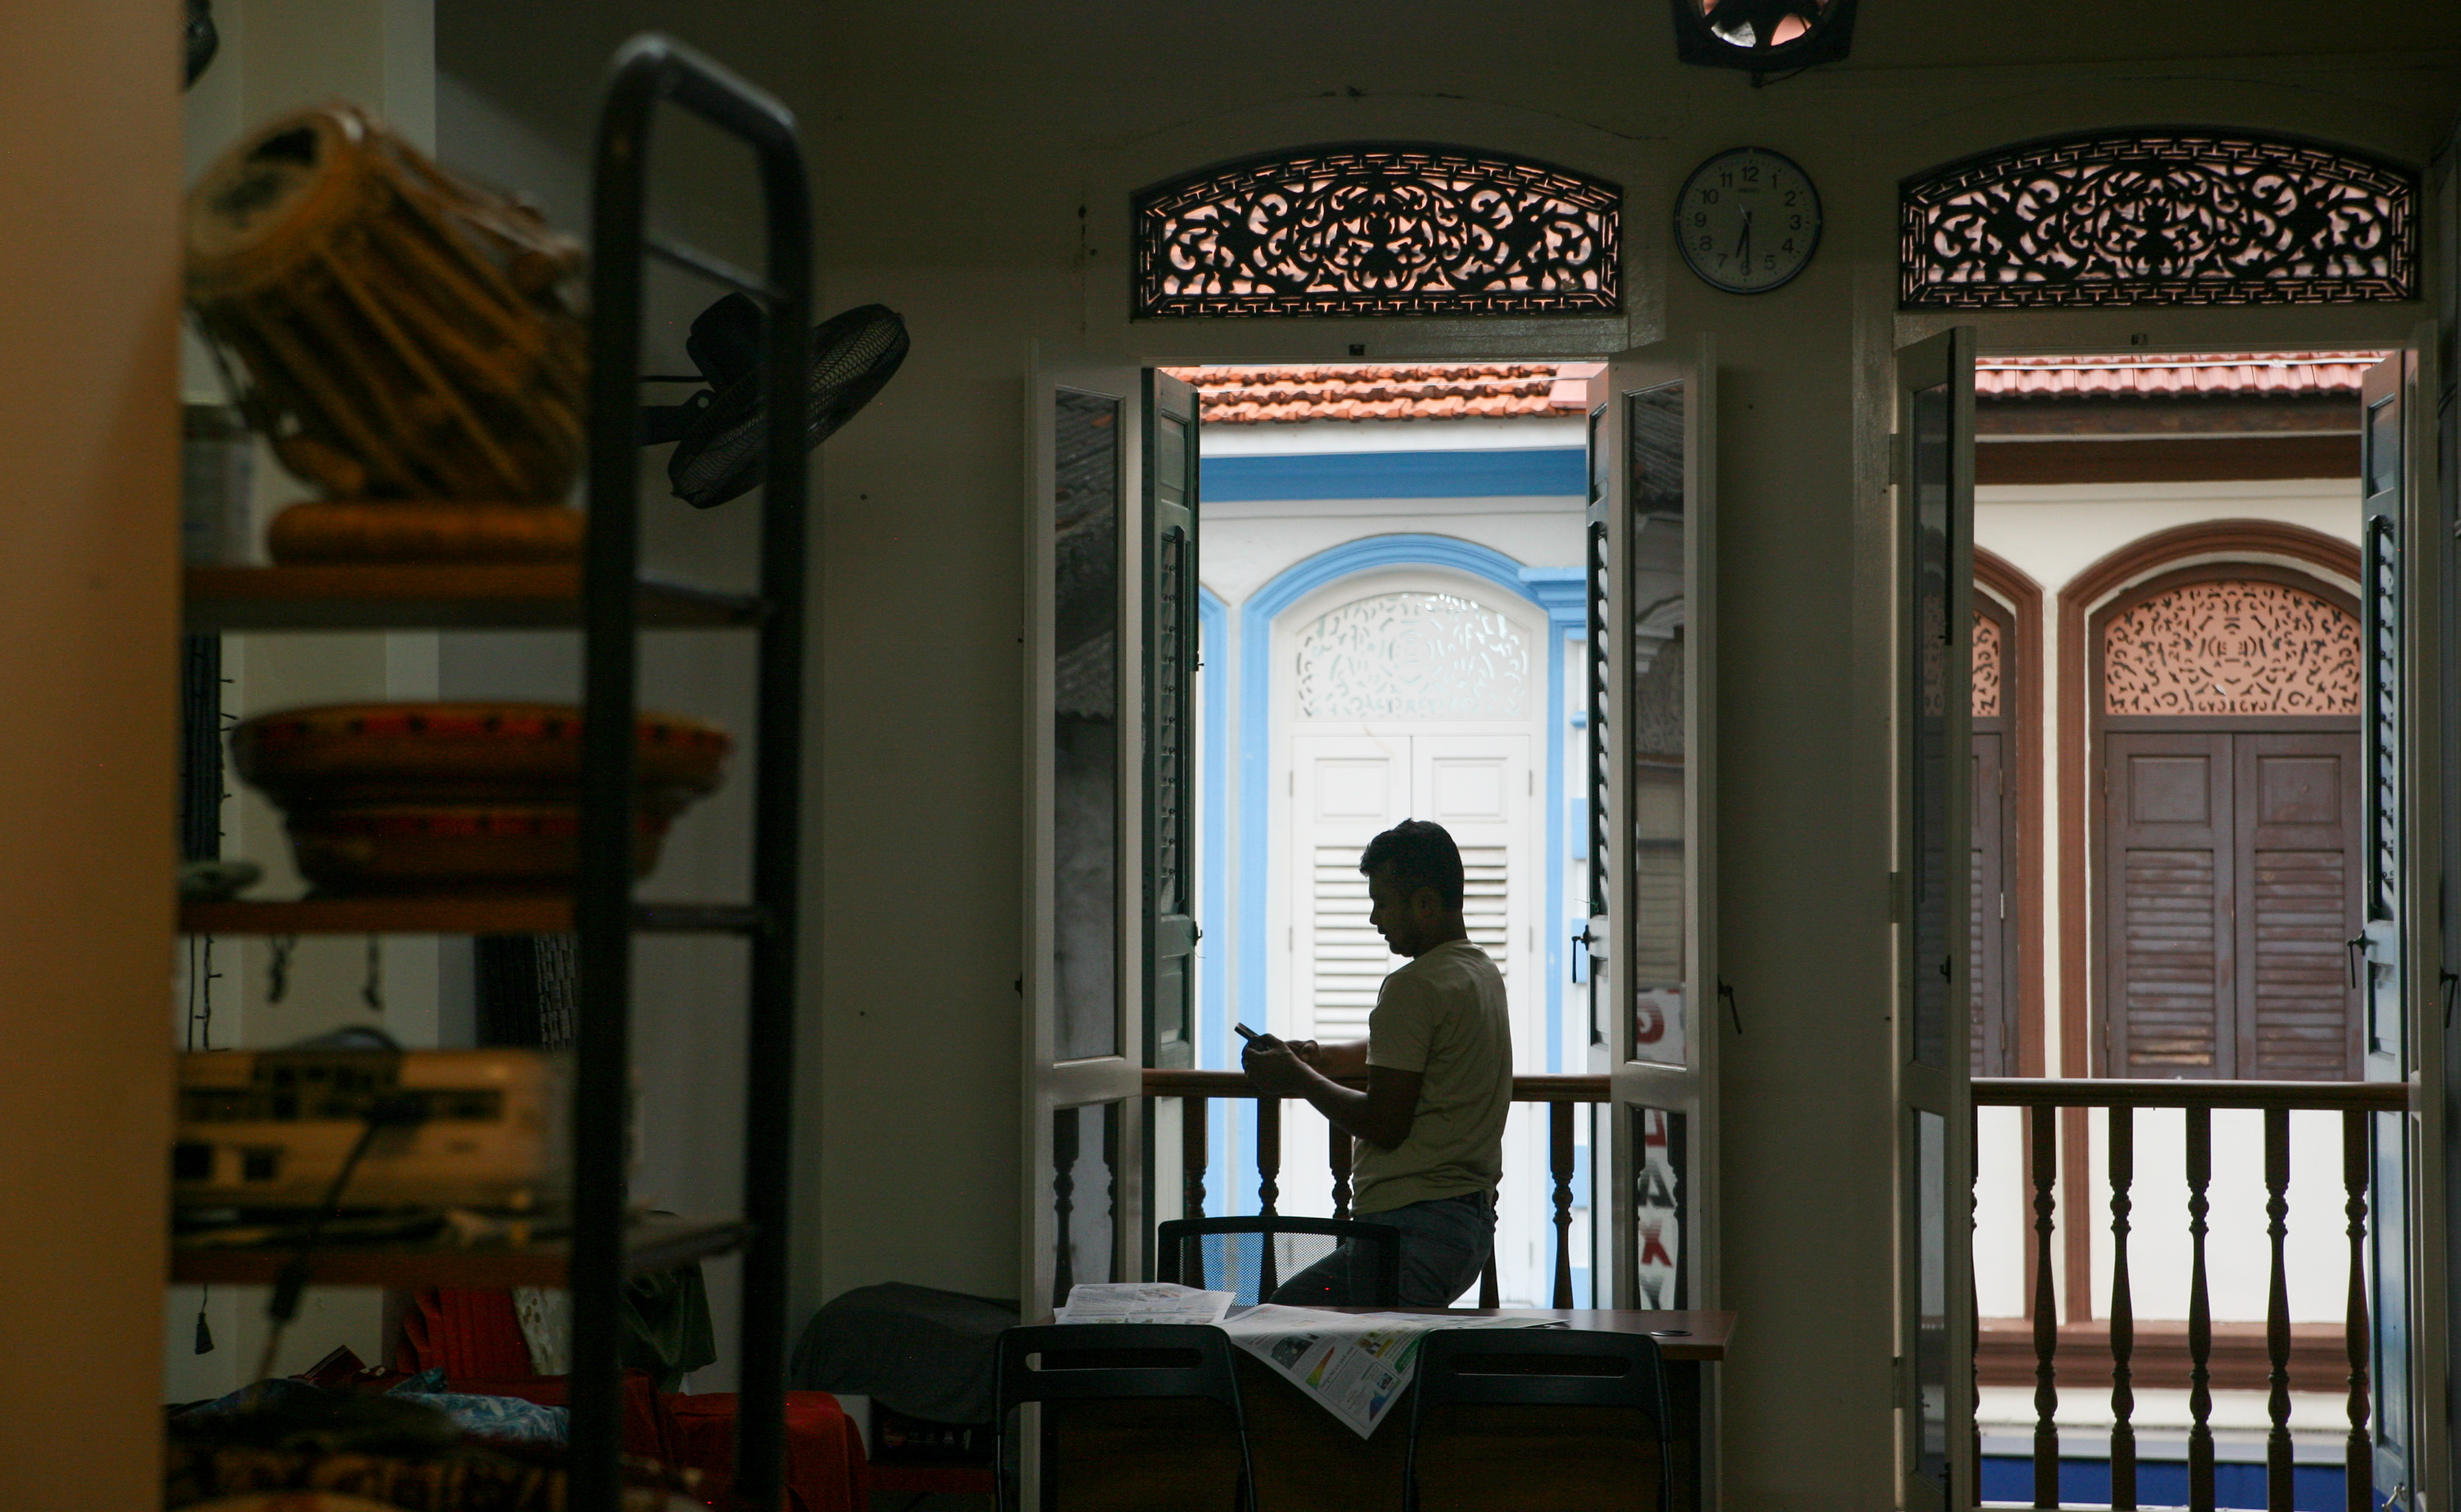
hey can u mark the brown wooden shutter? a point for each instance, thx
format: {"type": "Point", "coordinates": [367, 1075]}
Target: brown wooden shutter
{"type": "Point", "coordinates": [2168, 832]}
{"type": "Point", "coordinates": [1991, 1051]}
{"type": "Point", "coordinates": [2300, 832]}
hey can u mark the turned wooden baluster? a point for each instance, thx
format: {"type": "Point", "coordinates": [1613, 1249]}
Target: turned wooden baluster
{"type": "Point", "coordinates": [2358, 1458]}
{"type": "Point", "coordinates": [1193, 1135]}
{"type": "Point", "coordinates": [2047, 1316]}
{"type": "Point", "coordinates": [1063, 1203]}
{"type": "Point", "coordinates": [1269, 1156]}
{"type": "Point", "coordinates": [2200, 1322]}
{"type": "Point", "coordinates": [1973, 1294]}
{"type": "Point", "coordinates": [1269, 1191]}
{"type": "Point", "coordinates": [1337, 1150]}
{"type": "Point", "coordinates": [2276, 1312]}
{"type": "Point", "coordinates": [2123, 1313]}
{"type": "Point", "coordinates": [1559, 1161]}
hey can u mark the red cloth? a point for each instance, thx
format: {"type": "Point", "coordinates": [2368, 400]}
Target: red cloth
{"type": "Point", "coordinates": [469, 1333]}
{"type": "Point", "coordinates": [825, 1461]}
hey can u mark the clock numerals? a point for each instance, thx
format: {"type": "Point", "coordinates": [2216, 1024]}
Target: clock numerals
{"type": "Point", "coordinates": [1747, 221]}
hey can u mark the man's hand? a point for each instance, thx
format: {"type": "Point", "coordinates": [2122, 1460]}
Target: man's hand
{"type": "Point", "coordinates": [1382, 1115]}
{"type": "Point", "coordinates": [1279, 1068]}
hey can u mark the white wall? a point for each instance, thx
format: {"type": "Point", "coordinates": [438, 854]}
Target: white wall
{"type": "Point", "coordinates": [2053, 532]}
{"type": "Point", "coordinates": [973, 166]}
{"type": "Point", "coordinates": [966, 215]}
{"type": "Point", "coordinates": [1245, 545]}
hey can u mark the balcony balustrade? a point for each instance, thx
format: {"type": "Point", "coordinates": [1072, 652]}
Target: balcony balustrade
{"type": "Point", "coordinates": [2290, 1355]}
{"type": "Point", "coordinates": [1562, 1096]}
{"type": "Point", "coordinates": [2044, 1102]}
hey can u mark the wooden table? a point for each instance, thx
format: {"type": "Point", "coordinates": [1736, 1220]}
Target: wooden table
{"type": "Point", "coordinates": [1307, 1460]}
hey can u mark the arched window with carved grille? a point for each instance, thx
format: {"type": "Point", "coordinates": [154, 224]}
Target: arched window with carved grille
{"type": "Point", "coordinates": [2230, 826]}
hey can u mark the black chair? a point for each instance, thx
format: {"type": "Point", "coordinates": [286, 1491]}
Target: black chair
{"type": "Point", "coordinates": [1544, 1369]}
{"type": "Point", "coordinates": [1250, 1257]}
{"type": "Point", "coordinates": [1115, 1362]}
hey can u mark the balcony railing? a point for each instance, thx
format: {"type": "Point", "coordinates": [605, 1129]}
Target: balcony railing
{"type": "Point", "coordinates": [1561, 1095]}
{"type": "Point", "coordinates": [2289, 1355]}
{"type": "Point", "coordinates": [2043, 1101]}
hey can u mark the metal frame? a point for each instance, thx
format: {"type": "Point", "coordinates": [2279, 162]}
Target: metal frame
{"type": "Point", "coordinates": [648, 71]}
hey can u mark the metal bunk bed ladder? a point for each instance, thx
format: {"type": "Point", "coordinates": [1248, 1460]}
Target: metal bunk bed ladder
{"type": "Point", "coordinates": [648, 71]}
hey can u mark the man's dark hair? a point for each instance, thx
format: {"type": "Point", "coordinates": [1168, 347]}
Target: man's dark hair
{"type": "Point", "coordinates": [1420, 854]}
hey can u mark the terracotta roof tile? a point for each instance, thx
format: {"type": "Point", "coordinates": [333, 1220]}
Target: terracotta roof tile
{"type": "Point", "coordinates": [1388, 392]}
{"type": "Point", "coordinates": [2216, 374]}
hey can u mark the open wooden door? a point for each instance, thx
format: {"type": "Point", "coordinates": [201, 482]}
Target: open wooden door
{"type": "Point", "coordinates": [1651, 800]}
{"type": "Point", "coordinates": [2403, 963]}
{"type": "Point", "coordinates": [1085, 966]}
{"type": "Point", "coordinates": [1934, 470]}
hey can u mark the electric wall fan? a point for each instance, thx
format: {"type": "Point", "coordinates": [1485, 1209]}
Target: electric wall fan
{"type": "Point", "coordinates": [716, 431]}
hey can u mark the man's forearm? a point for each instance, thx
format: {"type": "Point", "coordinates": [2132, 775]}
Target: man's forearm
{"type": "Point", "coordinates": [1344, 1058]}
{"type": "Point", "coordinates": [1346, 1108]}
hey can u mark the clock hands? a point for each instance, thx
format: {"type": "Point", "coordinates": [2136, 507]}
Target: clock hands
{"type": "Point", "coordinates": [1743, 243]}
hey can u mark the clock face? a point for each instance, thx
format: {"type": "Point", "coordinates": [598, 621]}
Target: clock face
{"type": "Point", "coordinates": [1747, 221]}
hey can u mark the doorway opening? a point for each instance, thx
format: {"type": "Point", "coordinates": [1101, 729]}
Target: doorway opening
{"type": "Point", "coordinates": [1393, 625]}
{"type": "Point", "coordinates": [2169, 867]}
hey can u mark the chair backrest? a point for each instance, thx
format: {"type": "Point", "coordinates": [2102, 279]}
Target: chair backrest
{"type": "Point", "coordinates": [1106, 1361]}
{"type": "Point", "coordinates": [1547, 1368]}
{"type": "Point", "coordinates": [1112, 1362]}
{"type": "Point", "coordinates": [1252, 1257]}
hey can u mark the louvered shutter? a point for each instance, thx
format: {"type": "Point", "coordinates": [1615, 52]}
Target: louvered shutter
{"type": "Point", "coordinates": [1345, 790]}
{"type": "Point", "coordinates": [1170, 659]}
{"type": "Point", "coordinates": [2299, 857]}
{"type": "Point", "coordinates": [1347, 958]}
{"type": "Point", "coordinates": [1991, 1053]}
{"type": "Point", "coordinates": [1348, 962]}
{"type": "Point", "coordinates": [1486, 902]}
{"type": "Point", "coordinates": [2168, 871]}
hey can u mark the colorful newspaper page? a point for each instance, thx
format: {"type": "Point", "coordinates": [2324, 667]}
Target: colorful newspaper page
{"type": "Point", "coordinates": [1144, 1301]}
{"type": "Point", "coordinates": [1353, 1364]}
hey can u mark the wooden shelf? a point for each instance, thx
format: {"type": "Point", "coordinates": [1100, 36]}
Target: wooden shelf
{"type": "Point", "coordinates": [654, 1245]}
{"type": "Point", "coordinates": [532, 913]}
{"type": "Point", "coordinates": [440, 596]}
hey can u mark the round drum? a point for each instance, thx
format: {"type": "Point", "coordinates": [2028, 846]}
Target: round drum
{"type": "Point", "coordinates": [438, 797]}
{"type": "Point", "coordinates": [404, 334]}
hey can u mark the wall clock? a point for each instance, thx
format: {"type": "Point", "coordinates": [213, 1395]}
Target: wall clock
{"type": "Point", "coordinates": [1747, 220]}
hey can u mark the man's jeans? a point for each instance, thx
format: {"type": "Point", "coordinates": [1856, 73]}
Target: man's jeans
{"type": "Point", "coordinates": [1445, 1244]}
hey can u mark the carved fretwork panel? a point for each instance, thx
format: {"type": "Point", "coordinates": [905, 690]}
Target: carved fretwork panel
{"type": "Point", "coordinates": [2232, 647]}
{"type": "Point", "coordinates": [1987, 652]}
{"type": "Point", "coordinates": [1379, 231]}
{"type": "Point", "coordinates": [2159, 217]}
{"type": "Point", "coordinates": [1414, 656]}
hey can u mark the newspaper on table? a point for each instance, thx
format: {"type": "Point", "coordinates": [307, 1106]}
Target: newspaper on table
{"type": "Point", "coordinates": [1143, 1302]}
{"type": "Point", "coordinates": [1353, 1364]}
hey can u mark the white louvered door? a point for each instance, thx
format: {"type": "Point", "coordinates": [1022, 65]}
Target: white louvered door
{"type": "Point", "coordinates": [1478, 787]}
{"type": "Point", "coordinates": [1345, 790]}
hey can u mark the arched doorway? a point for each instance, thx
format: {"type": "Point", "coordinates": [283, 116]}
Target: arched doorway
{"type": "Point", "coordinates": [2211, 551]}
{"type": "Point", "coordinates": [1401, 692]}
{"type": "Point", "coordinates": [2229, 826]}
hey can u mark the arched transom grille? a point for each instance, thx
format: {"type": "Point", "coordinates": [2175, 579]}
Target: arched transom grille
{"type": "Point", "coordinates": [2232, 647]}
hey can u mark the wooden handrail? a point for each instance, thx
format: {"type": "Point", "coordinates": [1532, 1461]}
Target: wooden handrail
{"type": "Point", "coordinates": [2112, 1092]}
{"type": "Point", "coordinates": [1235, 1084]}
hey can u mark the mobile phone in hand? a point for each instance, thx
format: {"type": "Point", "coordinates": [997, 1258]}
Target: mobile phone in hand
{"type": "Point", "coordinates": [1246, 1033]}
